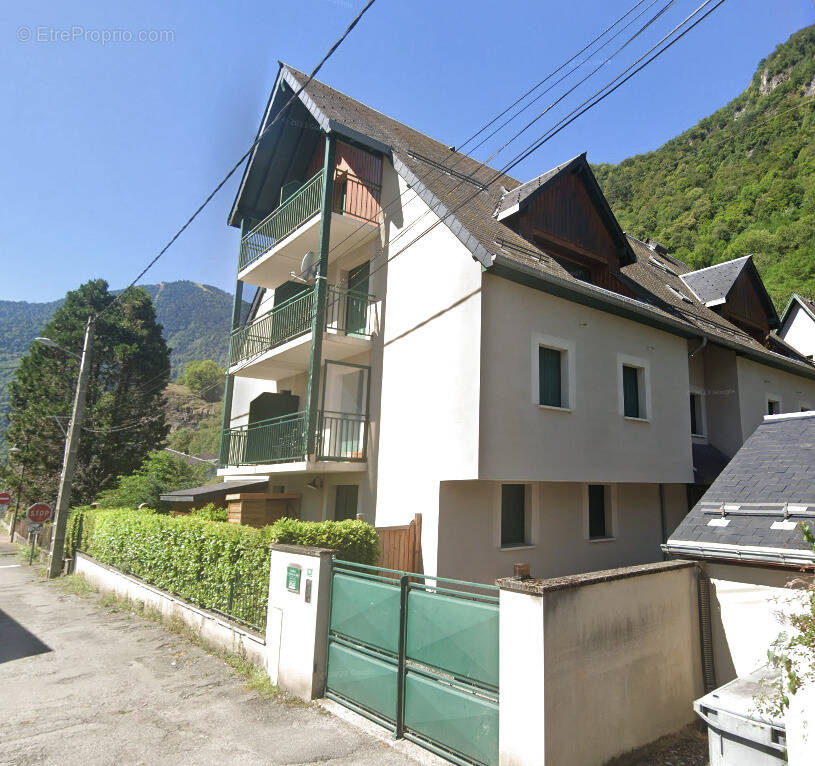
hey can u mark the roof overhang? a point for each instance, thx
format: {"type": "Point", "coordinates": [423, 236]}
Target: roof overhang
{"type": "Point", "coordinates": [787, 557]}
{"type": "Point", "coordinates": [795, 298]}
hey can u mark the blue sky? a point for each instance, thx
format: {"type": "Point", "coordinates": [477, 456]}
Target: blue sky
{"type": "Point", "coordinates": [109, 146]}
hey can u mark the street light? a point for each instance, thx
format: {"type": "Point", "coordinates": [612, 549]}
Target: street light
{"type": "Point", "coordinates": [51, 344]}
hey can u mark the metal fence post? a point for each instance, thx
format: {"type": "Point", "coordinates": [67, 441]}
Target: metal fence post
{"type": "Point", "coordinates": [404, 584]}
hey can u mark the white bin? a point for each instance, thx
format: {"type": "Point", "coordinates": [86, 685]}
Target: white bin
{"type": "Point", "coordinates": [738, 734]}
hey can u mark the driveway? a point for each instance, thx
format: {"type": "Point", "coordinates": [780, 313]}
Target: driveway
{"type": "Point", "coordinates": [81, 684]}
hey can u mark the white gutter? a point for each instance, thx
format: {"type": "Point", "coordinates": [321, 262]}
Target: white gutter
{"type": "Point", "coordinates": [752, 554]}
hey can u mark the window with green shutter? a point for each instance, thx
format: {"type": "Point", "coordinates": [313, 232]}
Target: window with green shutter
{"type": "Point", "coordinates": [513, 515]}
{"type": "Point", "coordinates": [631, 392]}
{"type": "Point", "coordinates": [549, 373]}
{"type": "Point", "coordinates": [598, 526]}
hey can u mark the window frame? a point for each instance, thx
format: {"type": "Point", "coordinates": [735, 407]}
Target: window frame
{"type": "Point", "coordinates": [567, 371]}
{"type": "Point", "coordinates": [771, 397]}
{"type": "Point", "coordinates": [643, 367]}
{"type": "Point", "coordinates": [530, 516]}
{"type": "Point", "coordinates": [610, 502]}
{"type": "Point", "coordinates": [696, 391]}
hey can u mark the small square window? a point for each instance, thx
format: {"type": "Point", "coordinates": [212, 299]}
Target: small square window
{"type": "Point", "coordinates": [599, 526]}
{"type": "Point", "coordinates": [632, 387]}
{"type": "Point", "coordinates": [550, 377]}
{"type": "Point", "coordinates": [513, 515]}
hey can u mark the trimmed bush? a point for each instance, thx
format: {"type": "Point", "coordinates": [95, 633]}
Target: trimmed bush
{"type": "Point", "coordinates": [352, 540]}
{"type": "Point", "coordinates": [210, 512]}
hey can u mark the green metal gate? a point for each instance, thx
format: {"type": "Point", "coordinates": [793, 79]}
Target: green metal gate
{"type": "Point", "coordinates": [418, 655]}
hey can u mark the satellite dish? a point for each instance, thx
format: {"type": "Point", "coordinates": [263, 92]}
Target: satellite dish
{"type": "Point", "coordinates": [308, 267]}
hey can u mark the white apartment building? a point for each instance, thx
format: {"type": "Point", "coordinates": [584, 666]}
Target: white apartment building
{"type": "Point", "coordinates": [430, 336]}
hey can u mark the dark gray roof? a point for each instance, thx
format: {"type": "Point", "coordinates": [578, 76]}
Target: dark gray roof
{"type": "Point", "coordinates": [467, 194]}
{"type": "Point", "coordinates": [212, 490]}
{"type": "Point", "coordinates": [518, 195]}
{"type": "Point", "coordinates": [774, 467]}
{"type": "Point", "coordinates": [713, 284]}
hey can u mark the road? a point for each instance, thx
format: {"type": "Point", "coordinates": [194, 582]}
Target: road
{"type": "Point", "coordinates": [83, 685]}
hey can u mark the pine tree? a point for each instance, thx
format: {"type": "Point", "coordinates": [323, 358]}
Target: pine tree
{"type": "Point", "coordinates": [124, 418]}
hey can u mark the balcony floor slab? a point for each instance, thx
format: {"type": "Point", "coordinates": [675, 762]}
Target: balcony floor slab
{"type": "Point", "coordinates": [275, 265]}
{"type": "Point", "coordinates": [303, 466]}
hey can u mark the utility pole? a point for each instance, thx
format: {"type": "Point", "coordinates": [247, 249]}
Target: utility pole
{"type": "Point", "coordinates": [71, 451]}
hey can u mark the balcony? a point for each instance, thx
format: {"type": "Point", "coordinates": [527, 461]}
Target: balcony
{"type": "Point", "coordinates": [277, 344]}
{"type": "Point", "coordinates": [340, 438]}
{"type": "Point", "coordinates": [276, 246]}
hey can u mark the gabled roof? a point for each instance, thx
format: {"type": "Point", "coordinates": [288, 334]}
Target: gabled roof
{"type": "Point", "coordinates": [209, 492]}
{"type": "Point", "coordinates": [713, 284]}
{"type": "Point", "coordinates": [772, 474]}
{"type": "Point", "coordinates": [465, 194]}
{"type": "Point", "coordinates": [516, 199]}
{"type": "Point", "coordinates": [806, 304]}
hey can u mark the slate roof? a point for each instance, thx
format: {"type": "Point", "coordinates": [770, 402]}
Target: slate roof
{"type": "Point", "coordinates": [708, 463]}
{"type": "Point", "coordinates": [469, 208]}
{"type": "Point", "coordinates": [713, 284]}
{"type": "Point", "coordinates": [521, 193]}
{"type": "Point", "coordinates": [775, 466]}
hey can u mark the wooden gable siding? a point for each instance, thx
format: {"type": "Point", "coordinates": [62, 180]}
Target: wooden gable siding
{"type": "Point", "coordinates": [745, 308]}
{"type": "Point", "coordinates": [566, 215]}
{"type": "Point", "coordinates": [362, 198]}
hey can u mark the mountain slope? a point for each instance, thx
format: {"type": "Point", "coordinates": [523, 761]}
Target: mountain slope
{"type": "Point", "coordinates": [195, 318]}
{"type": "Point", "coordinates": [741, 181]}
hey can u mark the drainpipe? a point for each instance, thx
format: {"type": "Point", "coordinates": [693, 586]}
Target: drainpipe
{"type": "Point", "coordinates": [320, 291]}
{"type": "Point", "coordinates": [705, 632]}
{"type": "Point", "coordinates": [237, 306]}
{"type": "Point", "coordinates": [698, 348]}
{"type": "Point", "coordinates": [662, 520]}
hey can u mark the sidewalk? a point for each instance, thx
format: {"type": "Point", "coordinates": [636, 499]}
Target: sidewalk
{"type": "Point", "coordinates": [82, 685]}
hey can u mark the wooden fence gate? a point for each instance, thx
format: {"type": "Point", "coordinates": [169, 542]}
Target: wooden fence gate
{"type": "Point", "coordinates": [400, 548]}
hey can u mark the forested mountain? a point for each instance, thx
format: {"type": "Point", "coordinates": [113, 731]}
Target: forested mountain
{"type": "Point", "coordinates": [195, 319]}
{"type": "Point", "coordinates": [741, 181]}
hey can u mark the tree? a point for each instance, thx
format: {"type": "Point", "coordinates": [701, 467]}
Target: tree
{"type": "Point", "coordinates": [124, 417]}
{"type": "Point", "coordinates": [205, 379]}
{"type": "Point", "coordinates": [159, 473]}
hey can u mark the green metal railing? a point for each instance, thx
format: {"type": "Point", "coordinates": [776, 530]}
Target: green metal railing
{"type": "Point", "coordinates": [283, 323]}
{"type": "Point", "coordinates": [340, 436]}
{"type": "Point", "coordinates": [295, 211]}
{"type": "Point", "coordinates": [347, 311]}
{"type": "Point", "coordinates": [353, 196]}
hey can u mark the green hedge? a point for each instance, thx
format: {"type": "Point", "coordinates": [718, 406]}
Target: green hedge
{"type": "Point", "coordinates": [203, 561]}
{"type": "Point", "coordinates": [352, 540]}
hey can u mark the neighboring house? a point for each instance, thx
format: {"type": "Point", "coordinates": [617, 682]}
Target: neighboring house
{"type": "Point", "coordinates": [745, 530]}
{"type": "Point", "coordinates": [798, 325]}
{"type": "Point", "coordinates": [430, 336]}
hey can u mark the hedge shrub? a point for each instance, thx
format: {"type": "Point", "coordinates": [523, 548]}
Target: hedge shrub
{"type": "Point", "coordinates": [352, 540]}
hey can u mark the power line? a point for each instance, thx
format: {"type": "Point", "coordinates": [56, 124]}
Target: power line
{"type": "Point", "coordinates": [243, 157]}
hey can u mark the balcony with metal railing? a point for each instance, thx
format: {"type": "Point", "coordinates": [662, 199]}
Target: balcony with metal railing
{"type": "Point", "coordinates": [339, 438]}
{"type": "Point", "coordinates": [276, 345]}
{"type": "Point", "coordinates": [274, 248]}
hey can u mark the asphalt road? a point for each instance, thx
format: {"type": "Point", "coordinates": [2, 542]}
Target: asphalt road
{"type": "Point", "coordinates": [82, 685]}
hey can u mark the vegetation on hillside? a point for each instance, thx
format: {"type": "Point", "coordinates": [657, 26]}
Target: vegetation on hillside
{"type": "Point", "coordinates": [205, 379]}
{"type": "Point", "coordinates": [741, 181]}
{"type": "Point", "coordinates": [124, 417]}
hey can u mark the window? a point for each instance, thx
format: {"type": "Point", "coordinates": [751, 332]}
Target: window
{"type": "Point", "coordinates": [773, 406]}
{"type": "Point", "coordinates": [631, 392]}
{"type": "Point", "coordinates": [697, 419]}
{"type": "Point", "coordinates": [550, 377]}
{"type": "Point", "coordinates": [345, 504]}
{"type": "Point", "coordinates": [599, 512]}
{"type": "Point", "coordinates": [513, 515]}
{"type": "Point", "coordinates": [553, 375]}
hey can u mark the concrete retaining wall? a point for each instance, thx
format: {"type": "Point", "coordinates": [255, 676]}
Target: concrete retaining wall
{"type": "Point", "coordinates": [216, 632]}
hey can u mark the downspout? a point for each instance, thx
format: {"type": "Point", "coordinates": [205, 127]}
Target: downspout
{"type": "Point", "coordinates": [662, 520]}
{"type": "Point", "coordinates": [698, 348]}
{"type": "Point", "coordinates": [705, 633]}
{"type": "Point", "coordinates": [226, 417]}
{"type": "Point", "coordinates": [320, 291]}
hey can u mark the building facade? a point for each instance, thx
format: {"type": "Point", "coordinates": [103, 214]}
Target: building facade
{"type": "Point", "coordinates": [430, 336]}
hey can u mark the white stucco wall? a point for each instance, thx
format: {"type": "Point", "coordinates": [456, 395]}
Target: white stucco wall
{"type": "Point", "coordinates": [721, 391]}
{"type": "Point", "coordinates": [799, 331]}
{"type": "Point", "coordinates": [469, 529]}
{"type": "Point", "coordinates": [592, 441]}
{"type": "Point", "coordinates": [428, 430]}
{"type": "Point", "coordinates": [745, 604]}
{"type": "Point", "coordinates": [757, 382]}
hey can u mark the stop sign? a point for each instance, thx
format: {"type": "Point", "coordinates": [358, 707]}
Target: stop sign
{"type": "Point", "coordinates": [5, 498]}
{"type": "Point", "coordinates": [39, 513]}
